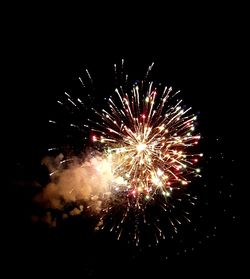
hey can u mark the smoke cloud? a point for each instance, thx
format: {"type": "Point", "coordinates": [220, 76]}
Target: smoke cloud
{"type": "Point", "coordinates": [73, 181]}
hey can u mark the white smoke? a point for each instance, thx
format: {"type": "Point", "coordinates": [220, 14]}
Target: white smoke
{"type": "Point", "coordinates": [74, 181]}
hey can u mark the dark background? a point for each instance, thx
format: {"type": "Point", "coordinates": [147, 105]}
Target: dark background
{"type": "Point", "coordinates": [196, 50]}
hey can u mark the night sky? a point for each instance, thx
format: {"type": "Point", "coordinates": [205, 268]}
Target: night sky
{"type": "Point", "coordinates": [195, 53]}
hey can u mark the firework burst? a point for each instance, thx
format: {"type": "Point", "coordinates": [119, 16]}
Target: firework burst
{"type": "Point", "coordinates": [147, 141]}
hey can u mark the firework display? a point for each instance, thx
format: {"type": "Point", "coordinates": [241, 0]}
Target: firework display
{"type": "Point", "coordinates": [148, 140]}
{"type": "Point", "coordinates": [144, 155]}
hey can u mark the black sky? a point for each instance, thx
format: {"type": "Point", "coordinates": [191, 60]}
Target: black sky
{"type": "Point", "coordinates": [195, 51]}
